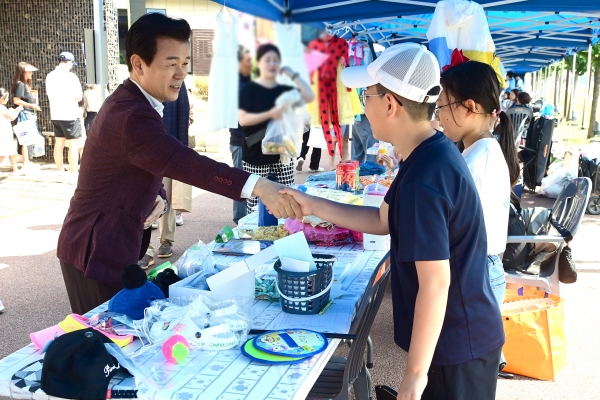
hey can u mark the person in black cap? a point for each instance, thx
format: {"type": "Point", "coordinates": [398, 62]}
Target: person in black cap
{"type": "Point", "coordinates": [64, 93]}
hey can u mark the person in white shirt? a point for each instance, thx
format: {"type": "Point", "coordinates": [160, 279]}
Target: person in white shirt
{"type": "Point", "coordinates": [92, 101]}
{"type": "Point", "coordinates": [64, 93]}
{"type": "Point", "coordinates": [469, 111]}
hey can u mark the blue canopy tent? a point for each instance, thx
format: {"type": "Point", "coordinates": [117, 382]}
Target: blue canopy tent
{"type": "Point", "coordinates": [529, 34]}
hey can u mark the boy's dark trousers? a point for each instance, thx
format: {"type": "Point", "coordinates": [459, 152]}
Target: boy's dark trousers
{"type": "Point", "coordinates": [475, 379]}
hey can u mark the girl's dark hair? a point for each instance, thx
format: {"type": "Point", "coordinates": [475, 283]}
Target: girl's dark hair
{"type": "Point", "coordinates": [143, 35]}
{"type": "Point", "coordinates": [478, 82]}
{"type": "Point", "coordinates": [516, 92]}
{"type": "Point", "coordinates": [19, 76]}
{"type": "Point", "coordinates": [264, 49]}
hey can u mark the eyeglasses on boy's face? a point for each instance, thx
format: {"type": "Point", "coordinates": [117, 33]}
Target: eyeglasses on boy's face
{"type": "Point", "coordinates": [364, 95]}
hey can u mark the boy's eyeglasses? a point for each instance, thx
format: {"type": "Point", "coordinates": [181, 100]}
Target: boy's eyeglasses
{"type": "Point", "coordinates": [364, 95]}
{"type": "Point", "coordinates": [436, 112]}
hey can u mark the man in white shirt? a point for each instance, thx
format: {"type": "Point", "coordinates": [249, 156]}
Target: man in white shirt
{"type": "Point", "coordinates": [64, 92]}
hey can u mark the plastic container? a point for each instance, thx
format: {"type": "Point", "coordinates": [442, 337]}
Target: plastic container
{"type": "Point", "coordinates": [374, 194]}
{"type": "Point", "coordinates": [347, 174]}
{"type": "Point", "coordinates": [306, 292]}
{"type": "Point", "coordinates": [264, 218]}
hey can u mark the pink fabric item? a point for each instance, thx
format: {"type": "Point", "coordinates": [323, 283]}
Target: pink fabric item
{"type": "Point", "coordinates": [319, 234]}
{"type": "Point", "coordinates": [40, 338]}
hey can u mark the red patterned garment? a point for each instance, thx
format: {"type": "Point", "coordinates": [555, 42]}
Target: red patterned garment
{"type": "Point", "coordinates": [336, 48]}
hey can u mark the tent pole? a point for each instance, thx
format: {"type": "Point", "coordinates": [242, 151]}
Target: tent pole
{"type": "Point", "coordinates": [572, 93]}
{"type": "Point", "coordinates": [588, 76]}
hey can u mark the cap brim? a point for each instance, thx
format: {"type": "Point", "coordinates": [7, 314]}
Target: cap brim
{"type": "Point", "coordinates": [30, 68]}
{"type": "Point", "coordinates": [357, 77]}
{"type": "Point", "coordinates": [74, 64]}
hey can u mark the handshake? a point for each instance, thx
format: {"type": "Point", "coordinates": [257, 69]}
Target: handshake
{"type": "Point", "coordinates": [282, 201]}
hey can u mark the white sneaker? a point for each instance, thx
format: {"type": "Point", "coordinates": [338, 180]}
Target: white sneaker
{"type": "Point", "coordinates": [178, 219]}
{"type": "Point", "coordinates": [320, 169]}
{"type": "Point", "coordinates": [300, 163]}
{"type": "Point", "coordinates": [72, 178]}
{"type": "Point", "coordinates": [61, 177]}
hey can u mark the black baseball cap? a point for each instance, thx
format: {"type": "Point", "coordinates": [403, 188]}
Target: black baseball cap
{"type": "Point", "coordinates": [78, 366]}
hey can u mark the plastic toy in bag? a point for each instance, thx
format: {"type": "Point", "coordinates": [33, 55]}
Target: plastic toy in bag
{"type": "Point", "coordinates": [195, 259]}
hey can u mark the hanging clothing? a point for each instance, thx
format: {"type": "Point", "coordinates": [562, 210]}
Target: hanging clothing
{"type": "Point", "coordinates": [463, 25]}
{"type": "Point", "coordinates": [349, 104]}
{"type": "Point", "coordinates": [288, 40]}
{"type": "Point", "coordinates": [223, 78]}
{"type": "Point", "coordinates": [337, 49]}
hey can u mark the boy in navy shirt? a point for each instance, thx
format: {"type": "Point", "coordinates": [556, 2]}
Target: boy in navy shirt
{"type": "Point", "coordinates": [445, 314]}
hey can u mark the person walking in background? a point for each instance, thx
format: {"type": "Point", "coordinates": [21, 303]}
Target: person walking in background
{"type": "Point", "coordinates": [176, 117]}
{"type": "Point", "coordinates": [315, 157]}
{"type": "Point", "coordinates": [519, 84]}
{"type": "Point", "coordinates": [510, 80]}
{"type": "Point", "coordinates": [64, 92]}
{"type": "Point", "coordinates": [257, 108]}
{"type": "Point", "coordinates": [92, 101]}
{"type": "Point", "coordinates": [7, 148]}
{"type": "Point", "coordinates": [362, 139]}
{"type": "Point", "coordinates": [237, 134]}
{"type": "Point", "coordinates": [21, 89]}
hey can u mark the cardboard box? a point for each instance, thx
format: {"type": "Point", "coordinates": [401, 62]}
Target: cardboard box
{"type": "Point", "coordinates": [376, 242]}
{"type": "Point", "coordinates": [236, 280]}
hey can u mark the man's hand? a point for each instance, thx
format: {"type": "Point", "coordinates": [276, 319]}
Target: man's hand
{"type": "Point", "coordinates": [279, 204]}
{"type": "Point", "coordinates": [412, 387]}
{"type": "Point", "coordinates": [159, 207]}
{"type": "Point", "coordinates": [304, 201]}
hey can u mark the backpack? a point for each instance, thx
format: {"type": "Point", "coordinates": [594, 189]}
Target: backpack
{"type": "Point", "coordinates": [515, 254]}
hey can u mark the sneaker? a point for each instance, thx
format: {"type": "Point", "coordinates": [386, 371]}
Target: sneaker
{"type": "Point", "coordinates": [178, 219]}
{"type": "Point", "coordinates": [19, 172]}
{"type": "Point", "coordinates": [146, 261]}
{"type": "Point", "coordinates": [61, 178]}
{"type": "Point", "coordinates": [320, 169]}
{"type": "Point", "coordinates": [72, 178]}
{"type": "Point", "coordinates": [300, 163]}
{"type": "Point", "coordinates": [155, 225]}
{"type": "Point", "coordinates": [165, 250]}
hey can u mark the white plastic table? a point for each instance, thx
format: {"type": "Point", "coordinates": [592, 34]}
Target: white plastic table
{"type": "Point", "coordinates": [225, 375]}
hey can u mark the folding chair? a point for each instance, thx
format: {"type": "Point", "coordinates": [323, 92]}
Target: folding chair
{"type": "Point", "coordinates": [521, 118]}
{"type": "Point", "coordinates": [340, 373]}
{"type": "Point", "coordinates": [567, 212]}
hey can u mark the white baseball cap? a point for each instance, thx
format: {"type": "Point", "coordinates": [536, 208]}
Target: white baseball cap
{"type": "Point", "coordinates": [407, 69]}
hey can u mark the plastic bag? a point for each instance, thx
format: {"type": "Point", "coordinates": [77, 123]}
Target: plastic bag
{"type": "Point", "coordinates": [282, 136]}
{"type": "Point", "coordinates": [39, 148]}
{"type": "Point", "coordinates": [195, 259]}
{"type": "Point", "coordinates": [206, 324]}
{"type": "Point", "coordinates": [553, 184]}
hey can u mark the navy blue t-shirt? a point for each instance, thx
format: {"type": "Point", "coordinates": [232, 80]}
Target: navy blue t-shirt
{"type": "Point", "coordinates": [435, 214]}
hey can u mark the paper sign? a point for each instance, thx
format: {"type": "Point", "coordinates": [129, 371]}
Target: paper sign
{"type": "Point", "coordinates": [291, 265]}
{"type": "Point", "coordinates": [296, 247]}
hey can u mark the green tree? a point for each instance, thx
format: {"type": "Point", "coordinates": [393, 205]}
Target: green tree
{"type": "Point", "coordinates": [595, 71]}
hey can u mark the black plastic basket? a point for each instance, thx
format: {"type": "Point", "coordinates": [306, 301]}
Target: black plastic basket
{"type": "Point", "coordinates": [310, 288]}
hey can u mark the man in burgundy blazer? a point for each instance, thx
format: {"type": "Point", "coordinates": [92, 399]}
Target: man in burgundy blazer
{"type": "Point", "coordinates": [128, 152]}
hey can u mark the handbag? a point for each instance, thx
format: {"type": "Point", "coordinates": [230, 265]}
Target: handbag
{"type": "Point", "coordinates": [26, 130]}
{"type": "Point", "coordinates": [535, 337]}
{"type": "Point", "coordinates": [567, 271]}
{"type": "Point", "coordinates": [256, 137]}
{"type": "Point", "coordinates": [383, 392]}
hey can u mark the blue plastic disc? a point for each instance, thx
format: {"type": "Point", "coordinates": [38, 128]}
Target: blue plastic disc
{"type": "Point", "coordinates": [291, 342]}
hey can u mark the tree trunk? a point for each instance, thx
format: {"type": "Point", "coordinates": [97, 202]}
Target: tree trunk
{"type": "Point", "coordinates": [596, 94]}
{"type": "Point", "coordinates": [567, 95]}
{"type": "Point", "coordinates": [556, 85]}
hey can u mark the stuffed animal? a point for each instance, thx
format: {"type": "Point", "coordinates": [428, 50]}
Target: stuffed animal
{"type": "Point", "coordinates": [137, 294]}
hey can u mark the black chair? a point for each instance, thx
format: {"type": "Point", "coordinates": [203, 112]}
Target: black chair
{"type": "Point", "coordinates": [341, 373]}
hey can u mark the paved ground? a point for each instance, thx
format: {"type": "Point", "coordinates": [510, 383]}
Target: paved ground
{"type": "Point", "coordinates": [32, 210]}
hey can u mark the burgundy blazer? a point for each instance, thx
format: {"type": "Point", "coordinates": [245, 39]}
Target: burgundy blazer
{"type": "Point", "coordinates": [127, 153]}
